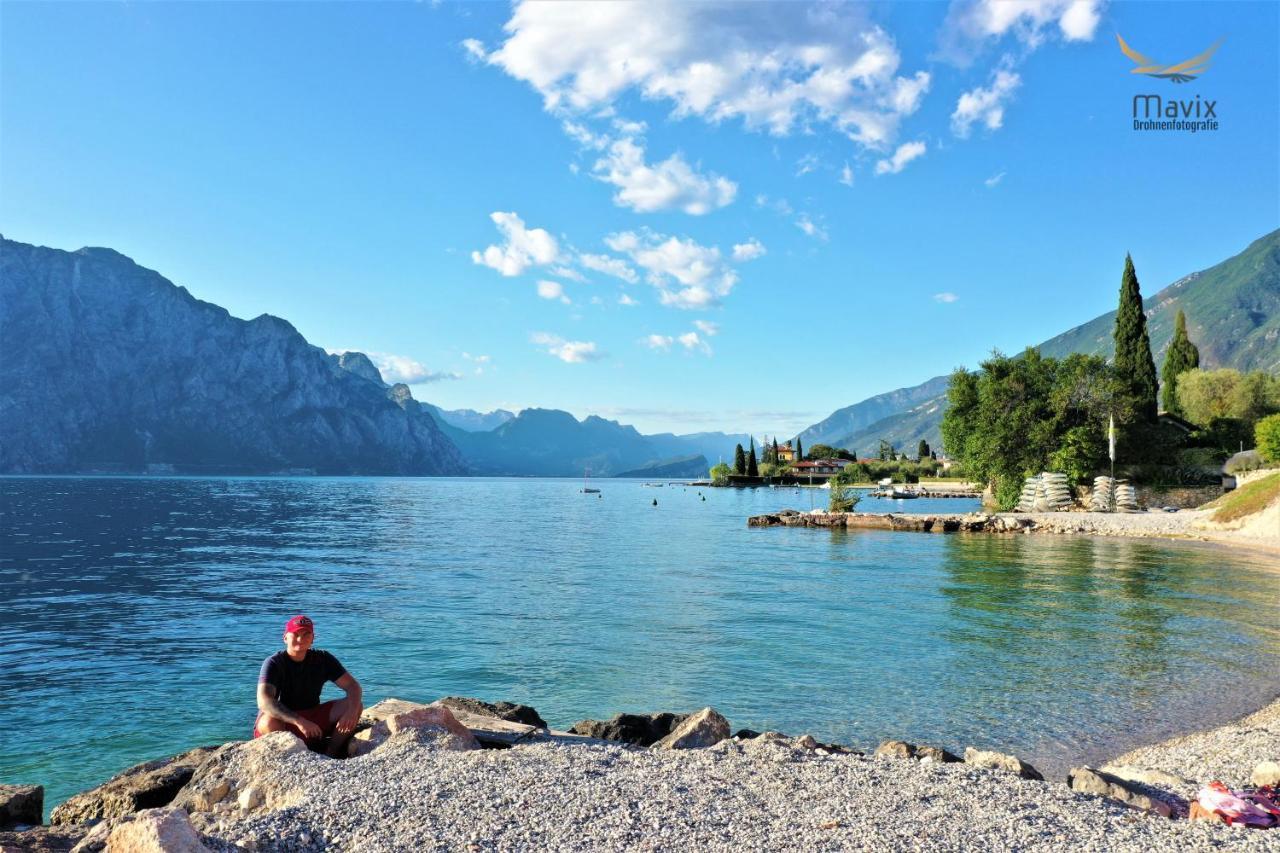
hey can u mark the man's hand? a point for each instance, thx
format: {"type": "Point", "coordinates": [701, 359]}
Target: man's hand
{"type": "Point", "coordinates": [309, 730]}
{"type": "Point", "coordinates": [347, 722]}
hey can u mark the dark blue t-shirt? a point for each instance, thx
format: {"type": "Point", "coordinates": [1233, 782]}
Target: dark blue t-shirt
{"type": "Point", "coordinates": [298, 683]}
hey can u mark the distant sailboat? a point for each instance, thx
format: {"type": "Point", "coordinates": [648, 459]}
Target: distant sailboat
{"type": "Point", "coordinates": [586, 476]}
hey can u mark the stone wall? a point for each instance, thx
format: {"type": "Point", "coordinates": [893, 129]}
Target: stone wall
{"type": "Point", "coordinates": [1243, 477]}
{"type": "Point", "coordinates": [1183, 497]}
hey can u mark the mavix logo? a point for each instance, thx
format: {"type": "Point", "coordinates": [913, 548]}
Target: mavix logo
{"type": "Point", "coordinates": [1179, 72]}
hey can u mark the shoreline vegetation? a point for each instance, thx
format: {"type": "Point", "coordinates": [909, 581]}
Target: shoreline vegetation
{"type": "Point", "coordinates": [421, 777]}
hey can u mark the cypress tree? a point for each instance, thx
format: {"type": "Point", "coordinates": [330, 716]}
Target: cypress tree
{"type": "Point", "coordinates": [739, 460]}
{"type": "Point", "coordinates": [1133, 363]}
{"type": "Point", "coordinates": [753, 469]}
{"type": "Point", "coordinates": [1181, 357]}
{"type": "Point", "coordinates": [922, 452]}
{"type": "Point", "coordinates": [799, 450]}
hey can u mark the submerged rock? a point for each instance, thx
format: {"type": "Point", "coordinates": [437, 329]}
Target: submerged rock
{"type": "Point", "coordinates": [702, 729]}
{"type": "Point", "coordinates": [1001, 761]}
{"type": "Point", "coordinates": [1089, 781]}
{"type": "Point", "coordinates": [21, 805]}
{"type": "Point", "coordinates": [143, 786]}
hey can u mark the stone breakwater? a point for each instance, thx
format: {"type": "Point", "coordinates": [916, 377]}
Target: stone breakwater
{"type": "Point", "coordinates": [1185, 524]}
{"type": "Point", "coordinates": [419, 779]}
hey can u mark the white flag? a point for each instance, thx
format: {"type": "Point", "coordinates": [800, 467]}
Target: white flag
{"type": "Point", "coordinates": [1111, 437]}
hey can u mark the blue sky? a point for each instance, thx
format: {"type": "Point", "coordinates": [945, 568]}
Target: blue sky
{"type": "Point", "coordinates": [685, 217]}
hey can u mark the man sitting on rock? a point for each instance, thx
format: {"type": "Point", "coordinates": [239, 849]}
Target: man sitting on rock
{"type": "Point", "coordinates": [289, 693]}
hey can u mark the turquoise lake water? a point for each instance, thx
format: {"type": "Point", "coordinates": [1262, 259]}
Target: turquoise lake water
{"type": "Point", "coordinates": [135, 612]}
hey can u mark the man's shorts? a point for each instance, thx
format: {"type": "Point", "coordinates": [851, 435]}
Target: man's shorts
{"type": "Point", "coordinates": [318, 715]}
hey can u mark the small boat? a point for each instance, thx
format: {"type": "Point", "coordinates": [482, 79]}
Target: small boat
{"type": "Point", "coordinates": [586, 490]}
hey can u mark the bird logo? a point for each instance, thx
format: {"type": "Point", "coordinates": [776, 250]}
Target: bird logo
{"type": "Point", "coordinates": [1179, 72]}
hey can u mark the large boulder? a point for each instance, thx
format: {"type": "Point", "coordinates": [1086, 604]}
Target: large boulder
{"type": "Point", "coordinates": [144, 786]}
{"type": "Point", "coordinates": [166, 830]}
{"type": "Point", "coordinates": [637, 729]}
{"type": "Point", "coordinates": [44, 839]}
{"type": "Point", "coordinates": [508, 711]}
{"type": "Point", "coordinates": [902, 749]}
{"type": "Point", "coordinates": [220, 782]}
{"type": "Point", "coordinates": [702, 729]}
{"type": "Point", "coordinates": [1144, 776]}
{"type": "Point", "coordinates": [392, 716]}
{"type": "Point", "coordinates": [21, 805]}
{"type": "Point", "coordinates": [1001, 761]}
{"type": "Point", "coordinates": [1086, 780]}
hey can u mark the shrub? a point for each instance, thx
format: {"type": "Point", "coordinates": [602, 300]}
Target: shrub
{"type": "Point", "coordinates": [720, 474]}
{"type": "Point", "coordinates": [842, 499]}
{"type": "Point", "coordinates": [1267, 438]}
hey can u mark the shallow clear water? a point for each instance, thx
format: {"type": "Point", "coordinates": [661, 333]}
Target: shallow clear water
{"type": "Point", "coordinates": [134, 614]}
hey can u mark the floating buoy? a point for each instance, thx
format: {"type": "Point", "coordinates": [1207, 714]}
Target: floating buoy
{"type": "Point", "coordinates": [704, 498]}
{"type": "Point", "coordinates": [655, 501]}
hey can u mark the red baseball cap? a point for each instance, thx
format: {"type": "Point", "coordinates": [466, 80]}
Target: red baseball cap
{"type": "Point", "coordinates": [299, 623]}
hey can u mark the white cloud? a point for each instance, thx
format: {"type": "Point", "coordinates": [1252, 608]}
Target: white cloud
{"type": "Point", "coordinates": [626, 300]}
{"type": "Point", "coordinates": [673, 183]}
{"type": "Point", "coordinates": [1028, 20]}
{"type": "Point", "coordinates": [984, 105]}
{"type": "Point", "coordinates": [773, 66]}
{"type": "Point", "coordinates": [994, 179]}
{"type": "Point", "coordinates": [748, 251]}
{"type": "Point", "coordinates": [552, 290]}
{"type": "Point", "coordinates": [806, 164]}
{"type": "Point", "coordinates": [567, 272]}
{"type": "Point", "coordinates": [629, 128]}
{"type": "Point", "coordinates": [615, 267]}
{"type": "Point", "coordinates": [686, 274]}
{"type": "Point", "coordinates": [808, 226]}
{"type": "Point", "coordinates": [478, 359]}
{"type": "Point", "coordinates": [661, 342]}
{"type": "Point", "coordinates": [707, 328]}
{"type": "Point", "coordinates": [475, 50]}
{"type": "Point", "coordinates": [573, 352]}
{"type": "Point", "coordinates": [846, 176]}
{"type": "Point", "coordinates": [401, 368]}
{"type": "Point", "coordinates": [582, 135]}
{"type": "Point", "coordinates": [521, 248]}
{"type": "Point", "coordinates": [945, 296]}
{"type": "Point", "coordinates": [906, 152]}
{"type": "Point", "coordinates": [691, 341]}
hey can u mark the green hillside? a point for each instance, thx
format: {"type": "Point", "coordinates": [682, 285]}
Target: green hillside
{"type": "Point", "coordinates": [1233, 316]}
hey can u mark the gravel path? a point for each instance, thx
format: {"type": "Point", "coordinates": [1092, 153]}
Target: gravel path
{"type": "Point", "coordinates": [409, 795]}
{"type": "Point", "coordinates": [1186, 524]}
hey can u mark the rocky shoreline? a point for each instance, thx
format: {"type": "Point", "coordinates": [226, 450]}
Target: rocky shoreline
{"type": "Point", "coordinates": [1185, 525]}
{"type": "Point", "coordinates": [420, 779]}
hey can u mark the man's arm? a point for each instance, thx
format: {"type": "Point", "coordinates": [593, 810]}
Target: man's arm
{"type": "Point", "coordinates": [269, 704]}
{"type": "Point", "coordinates": [355, 706]}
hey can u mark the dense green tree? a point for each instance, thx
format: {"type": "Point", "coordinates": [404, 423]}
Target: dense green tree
{"type": "Point", "coordinates": [753, 465]}
{"type": "Point", "coordinates": [1267, 438]}
{"type": "Point", "coordinates": [1206, 396]}
{"type": "Point", "coordinates": [922, 451]}
{"type": "Point", "coordinates": [720, 473]}
{"type": "Point", "coordinates": [739, 460]}
{"type": "Point", "coordinates": [1019, 416]}
{"type": "Point", "coordinates": [1133, 362]}
{"type": "Point", "coordinates": [1182, 356]}
{"type": "Point", "coordinates": [799, 450]}
{"type": "Point", "coordinates": [887, 453]}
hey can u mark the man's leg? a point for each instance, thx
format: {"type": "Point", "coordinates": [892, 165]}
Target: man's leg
{"type": "Point", "coordinates": [338, 740]}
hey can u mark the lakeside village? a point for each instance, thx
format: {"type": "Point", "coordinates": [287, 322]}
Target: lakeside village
{"type": "Point", "coordinates": [1030, 433]}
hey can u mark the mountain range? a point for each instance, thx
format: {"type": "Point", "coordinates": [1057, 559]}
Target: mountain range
{"type": "Point", "coordinates": [1233, 316]}
{"type": "Point", "coordinates": [110, 367]}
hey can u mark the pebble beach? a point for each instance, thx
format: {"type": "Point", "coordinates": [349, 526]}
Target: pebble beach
{"type": "Point", "coordinates": [745, 795]}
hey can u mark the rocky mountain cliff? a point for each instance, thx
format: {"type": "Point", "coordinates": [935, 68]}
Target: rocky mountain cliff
{"type": "Point", "coordinates": [111, 367]}
{"type": "Point", "coordinates": [1233, 316]}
